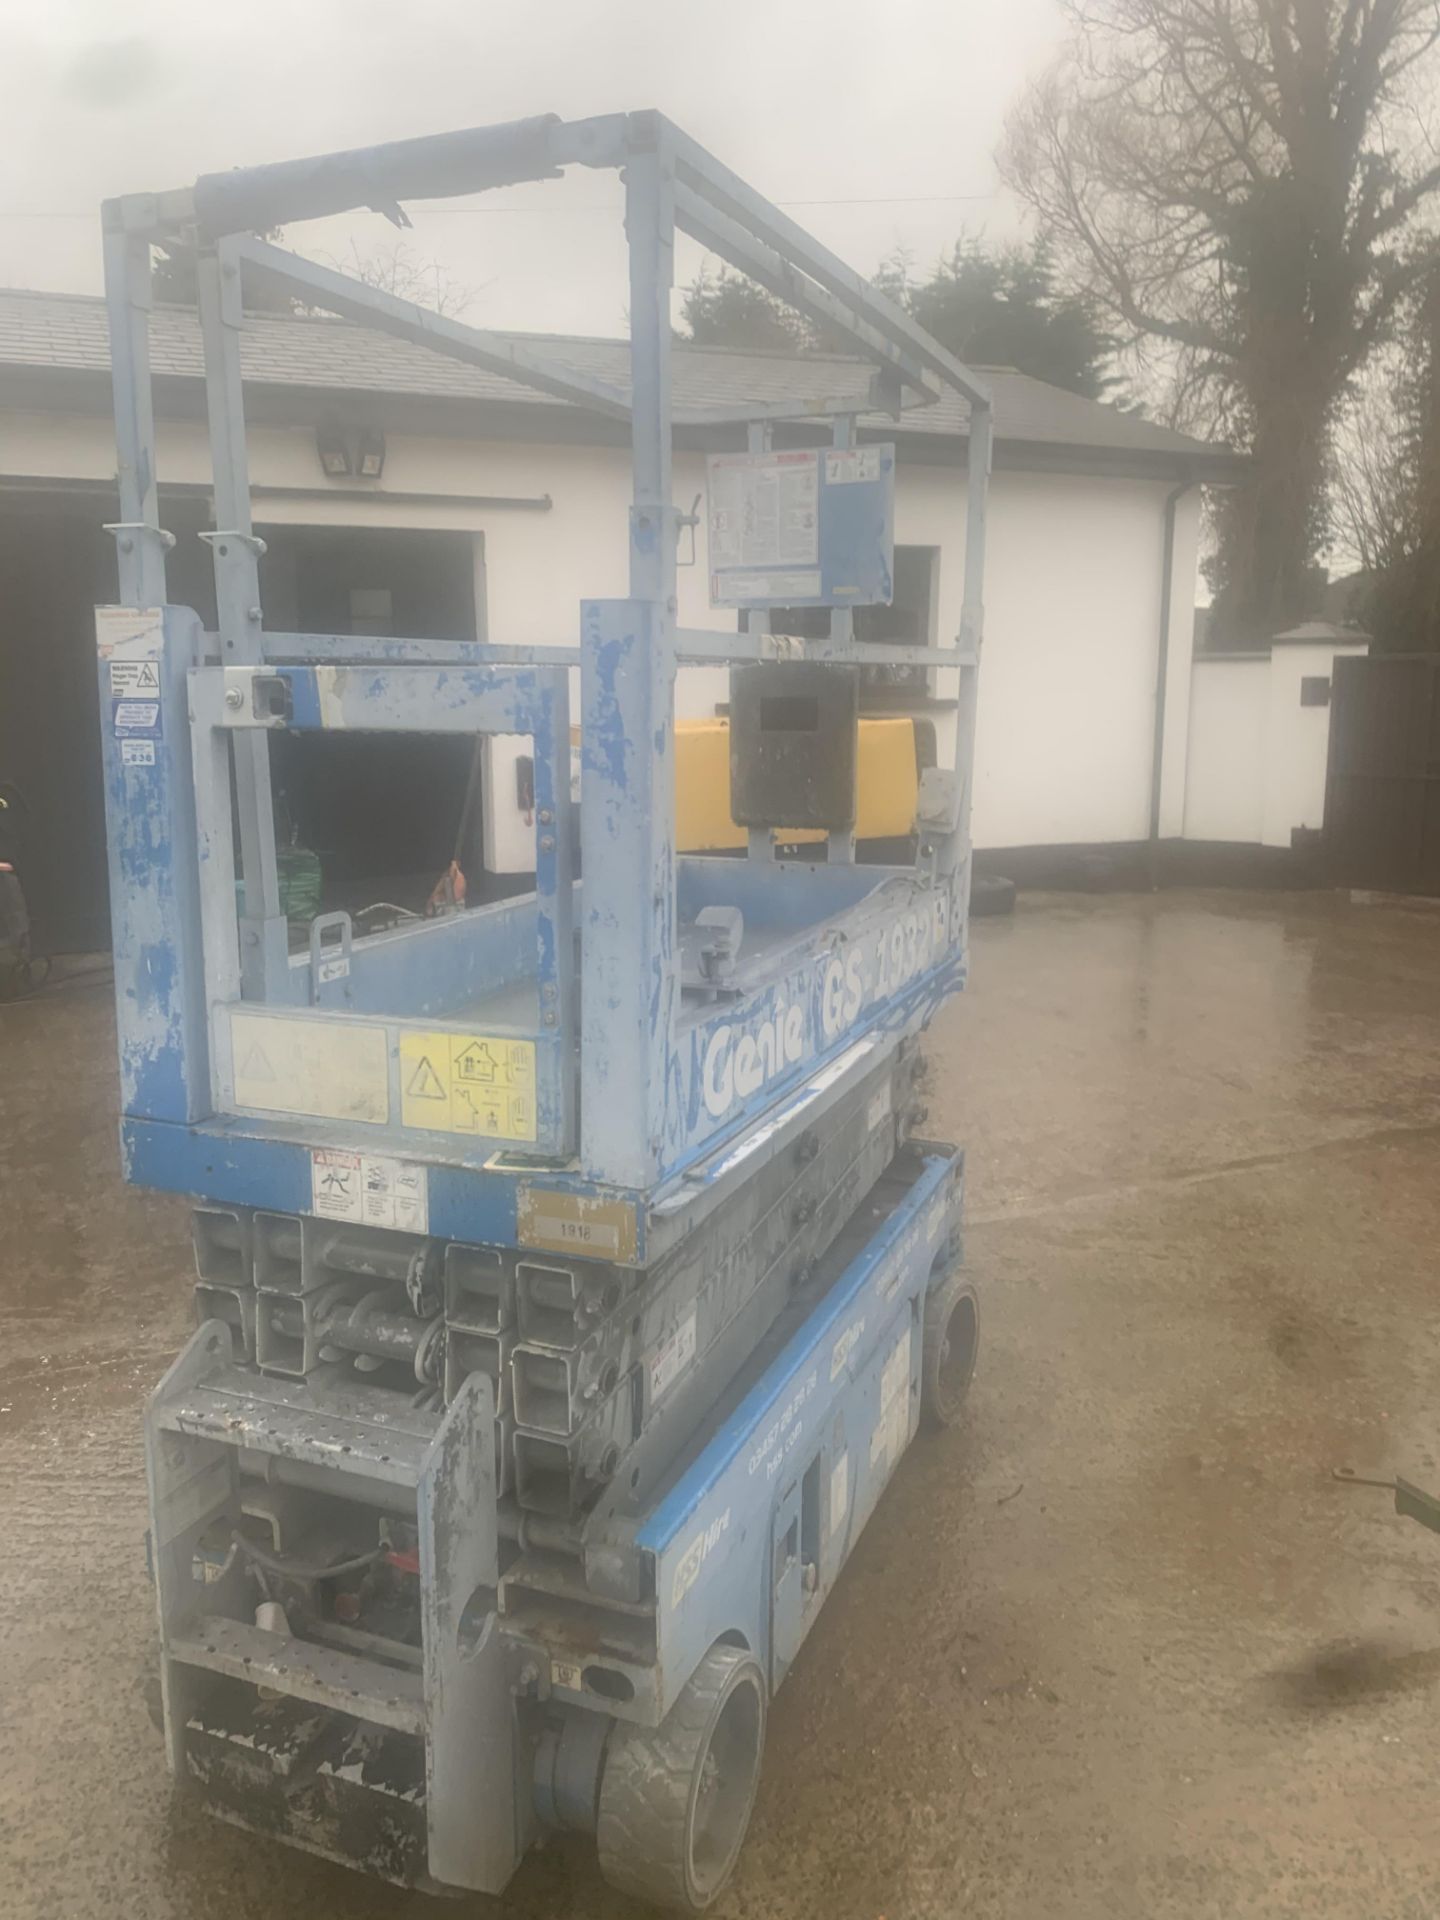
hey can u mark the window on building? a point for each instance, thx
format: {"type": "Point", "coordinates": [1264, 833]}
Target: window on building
{"type": "Point", "coordinates": [909, 621]}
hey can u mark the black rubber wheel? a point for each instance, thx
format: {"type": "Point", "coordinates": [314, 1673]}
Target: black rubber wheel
{"type": "Point", "coordinates": [991, 893]}
{"type": "Point", "coordinates": [675, 1801]}
{"type": "Point", "coordinates": [951, 1342]}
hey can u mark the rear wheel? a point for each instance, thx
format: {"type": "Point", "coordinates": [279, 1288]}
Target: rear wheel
{"type": "Point", "coordinates": [675, 1801]}
{"type": "Point", "coordinates": [951, 1342]}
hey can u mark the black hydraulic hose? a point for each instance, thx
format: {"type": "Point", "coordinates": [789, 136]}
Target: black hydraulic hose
{"type": "Point", "coordinates": [297, 1570]}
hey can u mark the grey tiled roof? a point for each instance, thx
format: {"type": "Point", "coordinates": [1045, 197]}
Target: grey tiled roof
{"type": "Point", "coordinates": [67, 332]}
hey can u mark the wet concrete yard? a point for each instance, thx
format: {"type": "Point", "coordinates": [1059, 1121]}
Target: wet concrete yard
{"type": "Point", "coordinates": [1118, 1646]}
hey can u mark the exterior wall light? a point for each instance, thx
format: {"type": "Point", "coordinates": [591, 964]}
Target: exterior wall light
{"type": "Point", "coordinates": [334, 453]}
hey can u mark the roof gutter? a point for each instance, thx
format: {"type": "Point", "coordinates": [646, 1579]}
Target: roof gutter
{"type": "Point", "coordinates": [1162, 670]}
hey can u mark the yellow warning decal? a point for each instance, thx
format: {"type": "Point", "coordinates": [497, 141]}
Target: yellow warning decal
{"type": "Point", "coordinates": [468, 1083]}
{"type": "Point", "coordinates": [330, 1069]}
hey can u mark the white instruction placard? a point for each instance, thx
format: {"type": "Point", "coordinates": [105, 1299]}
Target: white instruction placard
{"type": "Point", "coordinates": [776, 588]}
{"type": "Point", "coordinates": [839, 1492]}
{"type": "Point", "coordinates": [137, 716]}
{"type": "Point", "coordinates": [137, 633]}
{"type": "Point", "coordinates": [764, 510]}
{"type": "Point", "coordinates": [371, 1189]}
{"type": "Point", "coordinates": [892, 1429]}
{"type": "Point", "coordinates": [673, 1356]}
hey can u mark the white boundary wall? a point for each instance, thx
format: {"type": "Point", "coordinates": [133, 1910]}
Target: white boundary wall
{"type": "Point", "coordinates": [1256, 759]}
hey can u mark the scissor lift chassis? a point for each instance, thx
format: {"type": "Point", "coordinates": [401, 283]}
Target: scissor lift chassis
{"type": "Point", "coordinates": [571, 1275]}
{"type": "Point", "coordinates": [449, 1769]}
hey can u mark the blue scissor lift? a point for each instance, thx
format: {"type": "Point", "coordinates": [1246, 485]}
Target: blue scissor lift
{"type": "Point", "coordinates": [570, 1275]}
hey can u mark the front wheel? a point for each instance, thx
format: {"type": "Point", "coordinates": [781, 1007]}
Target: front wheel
{"type": "Point", "coordinates": [675, 1800]}
{"type": "Point", "coordinates": [951, 1342]}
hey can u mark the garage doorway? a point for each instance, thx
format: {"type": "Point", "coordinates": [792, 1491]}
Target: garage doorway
{"type": "Point", "coordinates": [375, 809]}
{"type": "Point", "coordinates": [407, 584]}
{"type": "Point", "coordinates": [54, 555]}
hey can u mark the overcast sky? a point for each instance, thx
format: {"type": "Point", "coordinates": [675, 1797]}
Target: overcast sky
{"type": "Point", "coordinates": [875, 124]}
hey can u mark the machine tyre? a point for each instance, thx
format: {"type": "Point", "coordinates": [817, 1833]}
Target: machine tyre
{"type": "Point", "coordinates": [991, 893]}
{"type": "Point", "coordinates": [675, 1800]}
{"type": "Point", "coordinates": [951, 1341]}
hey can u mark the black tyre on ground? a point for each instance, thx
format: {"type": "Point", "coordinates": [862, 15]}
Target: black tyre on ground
{"type": "Point", "coordinates": [675, 1802]}
{"type": "Point", "coordinates": [951, 1341]}
{"type": "Point", "coordinates": [991, 893]}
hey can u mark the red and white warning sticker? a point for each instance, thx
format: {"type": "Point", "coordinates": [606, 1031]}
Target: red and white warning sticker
{"type": "Point", "coordinates": [371, 1189]}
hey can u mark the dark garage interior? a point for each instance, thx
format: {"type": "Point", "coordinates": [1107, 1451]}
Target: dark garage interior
{"type": "Point", "coordinates": [375, 810]}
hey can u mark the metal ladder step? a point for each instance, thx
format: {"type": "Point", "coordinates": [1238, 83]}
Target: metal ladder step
{"type": "Point", "coordinates": [334, 1428]}
{"type": "Point", "coordinates": [344, 1682]}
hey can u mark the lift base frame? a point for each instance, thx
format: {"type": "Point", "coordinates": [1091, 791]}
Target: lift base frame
{"type": "Point", "coordinates": [446, 1769]}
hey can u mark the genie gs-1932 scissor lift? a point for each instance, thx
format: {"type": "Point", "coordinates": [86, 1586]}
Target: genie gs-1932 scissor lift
{"type": "Point", "coordinates": [570, 1281]}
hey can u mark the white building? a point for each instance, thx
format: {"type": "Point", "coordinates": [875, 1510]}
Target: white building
{"type": "Point", "coordinates": [497, 509]}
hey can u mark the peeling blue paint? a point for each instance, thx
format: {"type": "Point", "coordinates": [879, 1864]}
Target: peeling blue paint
{"type": "Point", "coordinates": [154, 898]}
{"type": "Point", "coordinates": [602, 739]}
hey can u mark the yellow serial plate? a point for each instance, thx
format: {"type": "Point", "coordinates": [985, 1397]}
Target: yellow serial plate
{"type": "Point", "coordinates": [468, 1083]}
{"type": "Point", "coordinates": [577, 1223]}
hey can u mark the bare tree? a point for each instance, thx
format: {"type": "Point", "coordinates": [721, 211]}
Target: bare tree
{"type": "Point", "coordinates": [1373, 490]}
{"type": "Point", "coordinates": [1388, 481]}
{"type": "Point", "coordinates": [399, 270]}
{"type": "Point", "coordinates": [1239, 187]}
{"type": "Point", "coordinates": [396, 269]}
